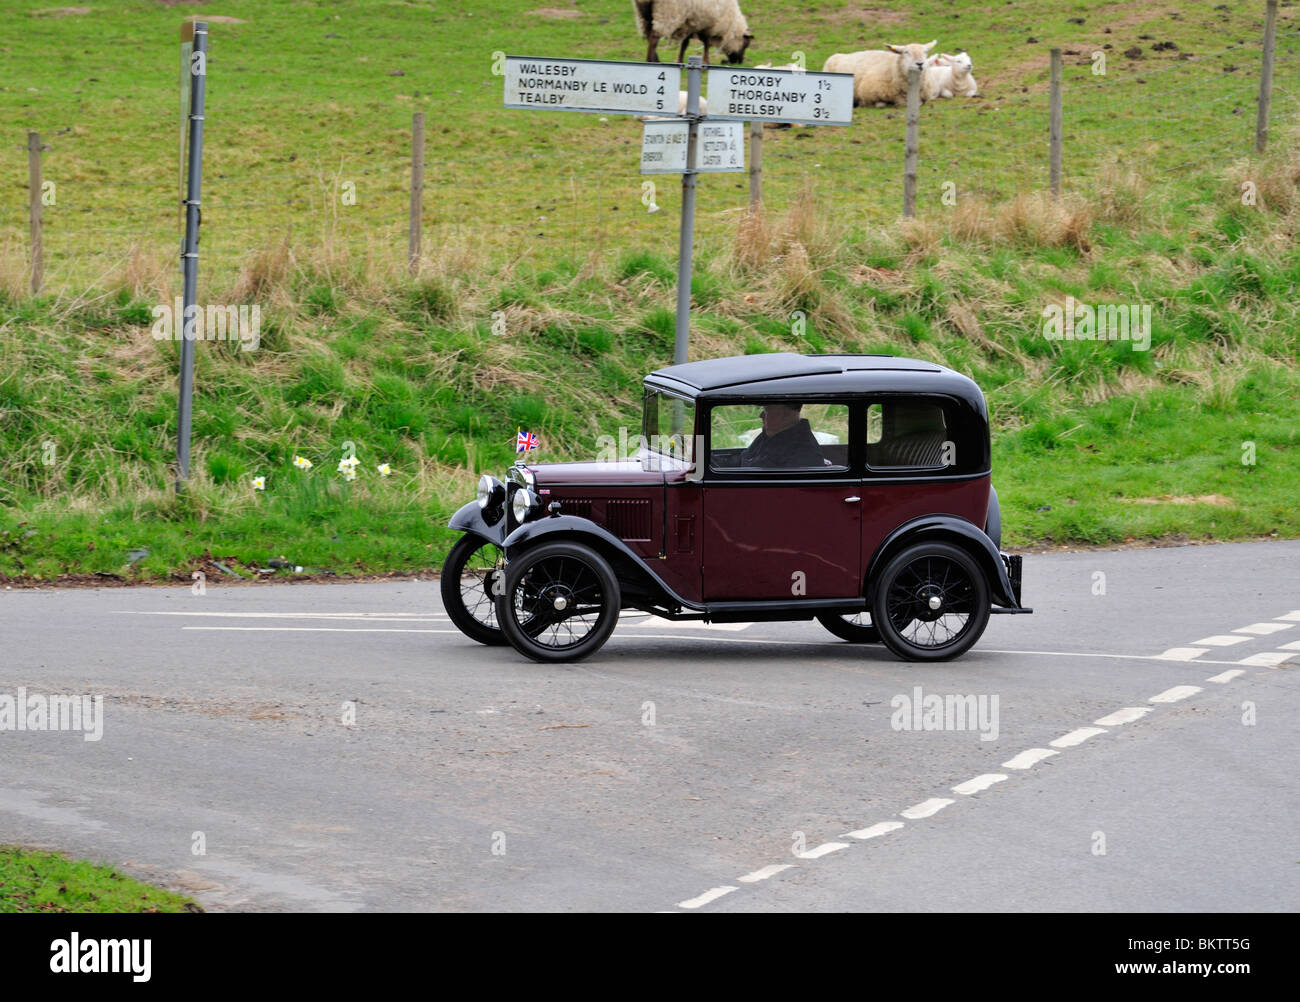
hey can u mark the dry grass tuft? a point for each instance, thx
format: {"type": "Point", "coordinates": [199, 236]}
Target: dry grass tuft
{"type": "Point", "coordinates": [1121, 195]}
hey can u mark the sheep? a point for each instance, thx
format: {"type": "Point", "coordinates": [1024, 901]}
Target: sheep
{"type": "Point", "coordinates": [713, 22]}
{"type": "Point", "coordinates": [681, 109]}
{"type": "Point", "coordinates": [948, 76]}
{"type": "Point", "coordinates": [880, 76]}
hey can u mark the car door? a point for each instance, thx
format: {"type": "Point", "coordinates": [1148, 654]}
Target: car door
{"type": "Point", "coordinates": [787, 531]}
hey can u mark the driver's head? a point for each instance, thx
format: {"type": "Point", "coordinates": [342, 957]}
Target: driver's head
{"type": "Point", "coordinates": [778, 417]}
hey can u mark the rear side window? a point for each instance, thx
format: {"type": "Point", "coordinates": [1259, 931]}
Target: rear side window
{"type": "Point", "coordinates": [919, 433]}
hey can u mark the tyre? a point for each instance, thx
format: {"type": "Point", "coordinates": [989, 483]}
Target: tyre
{"type": "Point", "coordinates": [856, 627]}
{"type": "Point", "coordinates": [560, 602]}
{"type": "Point", "coordinates": [931, 602]}
{"type": "Point", "coordinates": [467, 579]}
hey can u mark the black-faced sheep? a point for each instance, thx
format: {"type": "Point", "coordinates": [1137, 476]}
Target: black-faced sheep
{"type": "Point", "coordinates": [714, 22]}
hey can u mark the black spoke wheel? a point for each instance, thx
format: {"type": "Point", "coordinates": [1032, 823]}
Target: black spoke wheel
{"type": "Point", "coordinates": [468, 575]}
{"type": "Point", "coordinates": [855, 627]}
{"type": "Point", "coordinates": [560, 602]}
{"type": "Point", "coordinates": [931, 602]}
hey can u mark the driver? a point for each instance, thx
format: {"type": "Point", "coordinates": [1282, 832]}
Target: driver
{"type": "Point", "coordinates": [786, 440]}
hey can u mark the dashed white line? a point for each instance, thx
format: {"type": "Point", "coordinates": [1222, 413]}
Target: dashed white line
{"type": "Point", "coordinates": [876, 830]}
{"type": "Point", "coordinates": [1220, 640]}
{"type": "Point", "coordinates": [1077, 737]}
{"type": "Point", "coordinates": [1124, 716]}
{"type": "Point", "coordinates": [1226, 676]}
{"type": "Point", "coordinates": [1175, 694]}
{"type": "Point", "coordinates": [978, 783]}
{"type": "Point", "coordinates": [1293, 646]}
{"type": "Point", "coordinates": [1294, 616]}
{"type": "Point", "coordinates": [822, 850]}
{"type": "Point", "coordinates": [710, 895]}
{"type": "Point", "coordinates": [1263, 629]}
{"type": "Point", "coordinates": [1269, 659]}
{"type": "Point", "coordinates": [1182, 654]}
{"type": "Point", "coordinates": [926, 808]}
{"type": "Point", "coordinates": [764, 873]}
{"type": "Point", "coordinates": [1028, 758]}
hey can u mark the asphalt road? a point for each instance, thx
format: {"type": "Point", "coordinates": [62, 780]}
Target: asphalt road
{"type": "Point", "coordinates": [342, 747]}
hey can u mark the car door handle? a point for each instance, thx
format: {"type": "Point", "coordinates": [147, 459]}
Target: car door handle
{"type": "Point", "coordinates": [852, 499]}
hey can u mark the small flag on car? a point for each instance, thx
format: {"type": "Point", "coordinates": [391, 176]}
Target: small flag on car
{"type": "Point", "coordinates": [525, 441]}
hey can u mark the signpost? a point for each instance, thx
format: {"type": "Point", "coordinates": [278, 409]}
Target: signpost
{"type": "Point", "coordinates": [689, 144]}
{"type": "Point", "coordinates": [190, 248]}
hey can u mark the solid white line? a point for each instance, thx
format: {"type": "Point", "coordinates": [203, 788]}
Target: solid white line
{"type": "Point", "coordinates": [978, 783]}
{"type": "Point", "coordinates": [876, 830]}
{"type": "Point", "coordinates": [1085, 654]}
{"type": "Point", "coordinates": [1269, 659]}
{"type": "Point", "coordinates": [651, 622]}
{"type": "Point", "coordinates": [926, 808]}
{"type": "Point", "coordinates": [1221, 640]}
{"type": "Point", "coordinates": [1124, 716]}
{"type": "Point", "coordinates": [1175, 694]}
{"type": "Point", "coordinates": [1077, 737]}
{"type": "Point", "coordinates": [822, 850]}
{"type": "Point", "coordinates": [311, 629]}
{"type": "Point", "coordinates": [409, 617]}
{"type": "Point", "coordinates": [706, 897]}
{"type": "Point", "coordinates": [1028, 758]}
{"type": "Point", "coordinates": [1226, 676]}
{"type": "Point", "coordinates": [1263, 629]}
{"type": "Point", "coordinates": [1181, 654]}
{"type": "Point", "coordinates": [764, 873]}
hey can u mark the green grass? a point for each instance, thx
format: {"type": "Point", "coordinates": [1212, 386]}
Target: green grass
{"type": "Point", "coordinates": [549, 324]}
{"type": "Point", "coordinates": [32, 881]}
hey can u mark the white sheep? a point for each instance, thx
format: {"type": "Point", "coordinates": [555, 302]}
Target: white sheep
{"type": "Point", "coordinates": [681, 109]}
{"type": "Point", "coordinates": [714, 22]}
{"type": "Point", "coordinates": [880, 75]}
{"type": "Point", "coordinates": [948, 76]}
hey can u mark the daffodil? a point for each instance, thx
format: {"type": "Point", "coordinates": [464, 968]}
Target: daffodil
{"type": "Point", "coordinates": [349, 465]}
{"type": "Point", "coordinates": [259, 483]}
{"type": "Point", "coordinates": [302, 462]}
{"type": "Point", "coordinates": [350, 474]}
{"type": "Point", "coordinates": [384, 470]}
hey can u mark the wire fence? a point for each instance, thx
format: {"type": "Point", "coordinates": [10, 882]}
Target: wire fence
{"type": "Point", "coordinates": [514, 185]}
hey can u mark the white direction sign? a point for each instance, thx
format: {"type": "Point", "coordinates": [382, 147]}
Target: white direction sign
{"type": "Point", "coordinates": [592, 85]}
{"type": "Point", "coordinates": [795, 96]}
{"type": "Point", "coordinates": [720, 147]}
{"type": "Point", "coordinates": [663, 147]}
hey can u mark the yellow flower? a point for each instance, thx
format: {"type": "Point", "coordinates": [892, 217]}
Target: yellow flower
{"type": "Point", "coordinates": [302, 462]}
{"type": "Point", "coordinates": [384, 470]}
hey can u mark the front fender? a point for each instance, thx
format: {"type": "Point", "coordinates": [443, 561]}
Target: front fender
{"type": "Point", "coordinates": [469, 518]}
{"type": "Point", "coordinates": [933, 527]}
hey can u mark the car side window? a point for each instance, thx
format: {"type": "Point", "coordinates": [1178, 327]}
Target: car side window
{"type": "Point", "coordinates": [908, 434]}
{"type": "Point", "coordinates": [779, 435]}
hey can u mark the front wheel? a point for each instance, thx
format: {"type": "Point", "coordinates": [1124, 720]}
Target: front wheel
{"type": "Point", "coordinates": [467, 585]}
{"type": "Point", "coordinates": [560, 602]}
{"type": "Point", "coordinates": [856, 628]}
{"type": "Point", "coordinates": [931, 602]}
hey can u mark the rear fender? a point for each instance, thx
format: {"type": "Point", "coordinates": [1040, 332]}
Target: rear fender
{"type": "Point", "coordinates": [951, 529]}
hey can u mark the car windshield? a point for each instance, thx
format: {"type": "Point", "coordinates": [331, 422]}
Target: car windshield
{"type": "Point", "coordinates": [668, 425]}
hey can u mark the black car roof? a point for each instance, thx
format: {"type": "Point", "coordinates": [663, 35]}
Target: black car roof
{"type": "Point", "coordinates": [788, 374]}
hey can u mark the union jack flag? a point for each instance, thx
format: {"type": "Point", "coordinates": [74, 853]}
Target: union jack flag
{"type": "Point", "coordinates": [525, 441]}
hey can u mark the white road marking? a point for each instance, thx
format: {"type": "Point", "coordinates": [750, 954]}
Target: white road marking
{"type": "Point", "coordinates": [926, 808]}
{"type": "Point", "coordinates": [709, 895]}
{"type": "Point", "coordinates": [1293, 646]}
{"type": "Point", "coordinates": [1226, 676]}
{"type": "Point", "coordinates": [978, 783]}
{"type": "Point", "coordinates": [822, 850]}
{"type": "Point", "coordinates": [312, 629]}
{"type": "Point", "coordinates": [1077, 737]}
{"type": "Point", "coordinates": [1089, 654]}
{"type": "Point", "coordinates": [1269, 659]}
{"type": "Point", "coordinates": [1175, 694]}
{"type": "Point", "coordinates": [1294, 616]}
{"type": "Point", "coordinates": [1221, 640]}
{"type": "Point", "coordinates": [393, 617]}
{"type": "Point", "coordinates": [876, 830]}
{"type": "Point", "coordinates": [764, 873]}
{"type": "Point", "coordinates": [1263, 629]}
{"type": "Point", "coordinates": [1124, 716]}
{"type": "Point", "coordinates": [1181, 654]}
{"type": "Point", "coordinates": [1028, 758]}
{"type": "Point", "coordinates": [650, 622]}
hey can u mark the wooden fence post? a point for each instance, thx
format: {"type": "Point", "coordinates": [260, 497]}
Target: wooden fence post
{"type": "Point", "coordinates": [755, 166]}
{"type": "Point", "coordinates": [1266, 78]}
{"type": "Point", "coordinates": [417, 190]}
{"type": "Point", "coordinates": [1056, 126]}
{"type": "Point", "coordinates": [911, 148]}
{"type": "Point", "coordinates": [34, 203]}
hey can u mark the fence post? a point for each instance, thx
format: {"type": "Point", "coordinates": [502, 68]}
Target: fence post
{"type": "Point", "coordinates": [755, 166]}
{"type": "Point", "coordinates": [910, 149]}
{"type": "Point", "coordinates": [34, 181]}
{"type": "Point", "coordinates": [417, 190]}
{"type": "Point", "coordinates": [1266, 78]}
{"type": "Point", "coordinates": [1056, 122]}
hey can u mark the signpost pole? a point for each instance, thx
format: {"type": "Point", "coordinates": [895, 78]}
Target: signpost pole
{"type": "Point", "coordinates": [689, 179]}
{"type": "Point", "coordinates": [190, 255]}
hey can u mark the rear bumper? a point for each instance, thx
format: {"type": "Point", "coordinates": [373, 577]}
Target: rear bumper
{"type": "Point", "coordinates": [1015, 568]}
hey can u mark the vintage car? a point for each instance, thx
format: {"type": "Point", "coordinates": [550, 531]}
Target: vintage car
{"type": "Point", "coordinates": [850, 489]}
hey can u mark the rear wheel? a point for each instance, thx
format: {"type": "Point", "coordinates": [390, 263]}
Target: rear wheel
{"type": "Point", "coordinates": [856, 627]}
{"type": "Point", "coordinates": [931, 602]}
{"type": "Point", "coordinates": [560, 602]}
{"type": "Point", "coordinates": [467, 580]}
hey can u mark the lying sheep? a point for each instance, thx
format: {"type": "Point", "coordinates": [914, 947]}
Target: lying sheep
{"type": "Point", "coordinates": [681, 109]}
{"type": "Point", "coordinates": [713, 22]}
{"type": "Point", "coordinates": [948, 76]}
{"type": "Point", "coordinates": [879, 75]}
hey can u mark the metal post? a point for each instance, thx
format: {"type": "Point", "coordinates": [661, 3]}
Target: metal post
{"type": "Point", "coordinates": [1056, 122]}
{"type": "Point", "coordinates": [34, 203]}
{"type": "Point", "coordinates": [755, 165]}
{"type": "Point", "coordinates": [417, 189]}
{"type": "Point", "coordinates": [190, 255]}
{"type": "Point", "coordinates": [682, 340]}
{"type": "Point", "coordinates": [911, 148]}
{"type": "Point", "coordinates": [1266, 78]}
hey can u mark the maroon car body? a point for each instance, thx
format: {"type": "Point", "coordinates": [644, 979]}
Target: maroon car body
{"type": "Point", "coordinates": [688, 527]}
